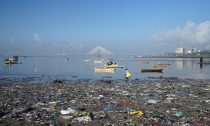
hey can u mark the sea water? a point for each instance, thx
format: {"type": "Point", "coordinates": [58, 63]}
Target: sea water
{"type": "Point", "coordinates": [83, 67]}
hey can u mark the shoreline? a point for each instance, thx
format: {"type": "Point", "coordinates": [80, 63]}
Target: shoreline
{"type": "Point", "coordinates": [43, 78]}
{"type": "Point", "coordinates": [105, 102]}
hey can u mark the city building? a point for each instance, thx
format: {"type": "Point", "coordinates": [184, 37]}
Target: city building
{"type": "Point", "coordinates": [180, 50]}
{"type": "Point", "coordinates": [193, 51]}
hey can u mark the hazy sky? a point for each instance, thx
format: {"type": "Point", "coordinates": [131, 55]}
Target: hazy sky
{"type": "Point", "coordinates": [48, 27]}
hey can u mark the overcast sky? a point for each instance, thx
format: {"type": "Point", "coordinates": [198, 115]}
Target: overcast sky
{"type": "Point", "coordinates": [48, 27]}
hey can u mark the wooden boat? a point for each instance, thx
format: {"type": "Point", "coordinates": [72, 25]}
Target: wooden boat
{"type": "Point", "coordinates": [159, 66]}
{"type": "Point", "coordinates": [164, 64]}
{"type": "Point", "coordinates": [104, 70]}
{"type": "Point", "coordinates": [143, 62]}
{"type": "Point", "coordinates": [152, 70]}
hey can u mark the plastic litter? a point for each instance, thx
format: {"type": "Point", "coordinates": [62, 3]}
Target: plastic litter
{"type": "Point", "coordinates": [152, 101]}
{"type": "Point", "coordinates": [67, 117]}
{"type": "Point", "coordinates": [82, 119]}
{"type": "Point", "coordinates": [129, 110]}
{"type": "Point", "coordinates": [68, 111]}
{"type": "Point", "coordinates": [179, 114]}
{"type": "Point", "coordinates": [75, 102]}
{"type": "Point", "coordinates": [186, 124]}
{"type": "Point", "coordinates": [51, 117]}
{"type": "Point", "coordinates": [136, 113]}
{"type": "Point", "coordinates": [100, 96]}
{"type": "Point", "coordinates": [106, 109]}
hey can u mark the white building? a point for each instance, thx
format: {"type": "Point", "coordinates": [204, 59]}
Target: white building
{"type": "Point", "coordinates": [180, 50]}
{"type": "Point", "coordinates": [193, 51]}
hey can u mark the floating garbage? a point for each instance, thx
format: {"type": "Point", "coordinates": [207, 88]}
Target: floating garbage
{"type": "Point", "coordinates": [82, 119]}
{"type": "Point", "coordinates": [95, 102]}
{"type": "Point", "coordinates": [106, 109]}
{"type": "Point", "coordinates": [129, 110]}
{"type": "Point", "coordinates": [67, 117]}
{"type": "Point", "coordinates": [52, 117]}
{"type": "Point", "coordinates": [186, 124]}
{"type": "Point", "coordinates": [100, 96]}
{"type": "Point", "coordinates": [136, 113]}
{"type": "Point", "coordinates": [68, 111]}
{"type": "Point", "coordinates": [152, 101]}
{"type": "Point", "coordinates": [179, 114]}
{"type": "Point", "coordinates": [168, 100]}
{"type": "Point", "coordinates": [53, 103]}
{"type": "Point", "coordinates": [207, 101]}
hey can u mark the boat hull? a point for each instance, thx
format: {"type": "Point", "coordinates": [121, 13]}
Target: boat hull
{"type": "Point", "coordinates": [104, 70]}
{"type": "Point", "coordinates": [113, 66]}
{"type": "Point", "coordinates": [152, 70]}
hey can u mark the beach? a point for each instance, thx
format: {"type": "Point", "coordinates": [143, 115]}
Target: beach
{"type": "Point", "coordinates": [163, 101]}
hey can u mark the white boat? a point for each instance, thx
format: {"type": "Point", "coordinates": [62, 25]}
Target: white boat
{"type": "Point", "coordinates": [97, 61]}
{"type": "Point", "coordinates": [11, 60]}
{"type": "Point", "coordinates": [86, 60]}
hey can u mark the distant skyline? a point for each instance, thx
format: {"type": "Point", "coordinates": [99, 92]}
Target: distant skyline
{"type": "Point", "coordinates": [49, 27]}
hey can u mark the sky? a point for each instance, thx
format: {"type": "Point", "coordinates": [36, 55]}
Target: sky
{"type": "Point", "coordinates": [74, 27]}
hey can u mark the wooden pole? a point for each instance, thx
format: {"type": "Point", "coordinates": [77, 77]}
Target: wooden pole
{"type": "Point", "coordinates": [201, 60]}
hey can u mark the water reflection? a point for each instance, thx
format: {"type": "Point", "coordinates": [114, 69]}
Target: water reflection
{"type": "Point", "coordinates": [191, 65]}
{"type": "Point", "coordinates": [201, 66]}
{"type": "Point", "coordinates": [8, 67]}
{"type": "Point", "coordinates": [180, 64]}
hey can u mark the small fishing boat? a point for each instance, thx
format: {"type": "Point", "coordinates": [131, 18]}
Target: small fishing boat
{"type": "Point", "coordinates": [66, 58]}
{"type": "Point", "coordinates": [11, 60]}
{"type": "Point", "coordinates": [104, 70]}
{"type": "Point", "coordinates": [86, 60]}
{"type": "Point", "coordinates": [143, 62]}
{"type": "Point", "coordinates": [164, 64]}
{"type": "Point", "coordinates": [97, 61]}
{"type": "Point", "coordinates": [152, 70]}
{"type": "Point", "coordinates": [113, 66]}
{"type": "Point", "coordinates": [159, 66]}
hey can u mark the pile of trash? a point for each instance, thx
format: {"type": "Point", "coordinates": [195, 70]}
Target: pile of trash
{"type": "Point", "coordinates": [98, 102]}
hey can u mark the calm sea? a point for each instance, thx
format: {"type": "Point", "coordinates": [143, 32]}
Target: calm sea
{"type": "Point", "coordinates": [83, 68]}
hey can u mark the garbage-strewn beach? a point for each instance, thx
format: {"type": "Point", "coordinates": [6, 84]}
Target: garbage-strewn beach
{"type": "Point", "coordinates": [172, 101]}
